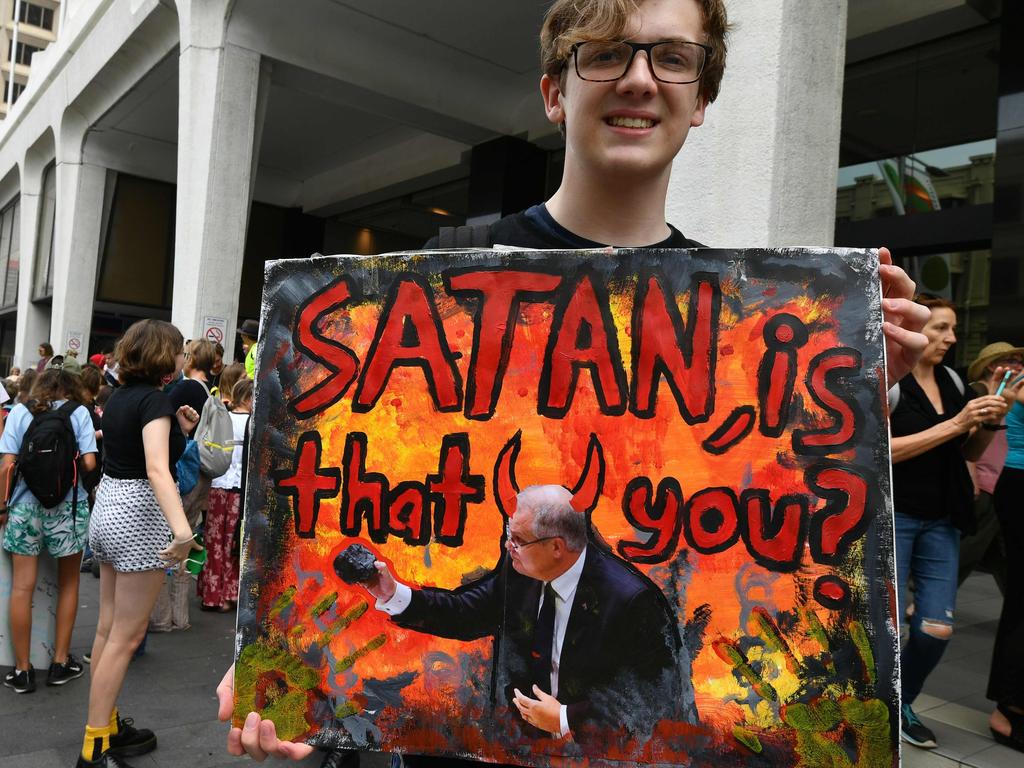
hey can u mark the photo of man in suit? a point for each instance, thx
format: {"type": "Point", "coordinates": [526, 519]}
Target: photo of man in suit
{"type": "Point", "coordinates": [585, 645]}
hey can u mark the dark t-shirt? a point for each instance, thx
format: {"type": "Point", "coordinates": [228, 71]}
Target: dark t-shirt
{"type": "Point", "coordinates": [189, 392]}
{"type": "Point", "coordinates": [536, 228]}
{"type": "Point", "coordinates": [936, 484]}
{"type": "Point", "coordinates": [130, 408]}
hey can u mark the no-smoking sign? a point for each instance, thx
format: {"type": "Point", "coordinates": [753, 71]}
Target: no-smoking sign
{"type": "Point", "coordinates": [214, 329]}
{"type": "Point", "coordinates": [74, 341]}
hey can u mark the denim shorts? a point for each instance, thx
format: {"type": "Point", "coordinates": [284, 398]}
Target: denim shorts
{"type": "Point", "coordinates": [62, 530]}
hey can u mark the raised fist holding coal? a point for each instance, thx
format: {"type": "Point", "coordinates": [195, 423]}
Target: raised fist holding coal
{"type": "Point", "coordinates": [357, 564]}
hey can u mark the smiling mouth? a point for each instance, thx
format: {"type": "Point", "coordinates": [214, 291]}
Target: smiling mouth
{"type": "Point", "coordinates": [630, 122]}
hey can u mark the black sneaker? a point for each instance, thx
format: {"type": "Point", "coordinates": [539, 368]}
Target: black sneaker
{"type": "Point", "coordinates": [914, 731]}
{"type": "Point", "coordinates": [106, 760]}
{"type": "Point", "coordinates": [21, 681]}
{"type": "Point", "coordinates": [130, 740]}
{"type": "Point", "coordinates": [64, 673]}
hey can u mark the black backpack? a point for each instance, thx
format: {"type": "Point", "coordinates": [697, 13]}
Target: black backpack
{"type": "Point", "coordinates": [48, 458]}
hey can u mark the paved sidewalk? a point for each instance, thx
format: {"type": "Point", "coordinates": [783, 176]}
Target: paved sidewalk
{"type": "Point", "coordinates": [171, 690]}
{"type": "Point", "coordinates": [953, 703]}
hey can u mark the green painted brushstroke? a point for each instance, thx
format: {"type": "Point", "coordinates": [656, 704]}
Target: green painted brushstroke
{"type": "Point", "coordinates": [283, 602]}
{"type": "Point", "coordinates": [867, 656]}
{"type": "Point", "coordinates": [769, 632]}
{"type": "Point", "coordinates": [287, 710]}
{"type": "Point", "coordinates": [817, 745]}
{"type": "Point", "coordinates": [324, 605]}
{"type": "Point", "coordinates": [341, 622]}
{"type": "Point", "coordinates": [817, 631]}
{"type": "Point", "coordinates": [297, 630]}
{"type": "Point", "coordinates": [346, 709]}
{"type": "Point", "coordinates": [353, 657]}
{"type": "Point", "coordinates": [748, 739]}
{"type": "Point", "coordinates": [740, 664]}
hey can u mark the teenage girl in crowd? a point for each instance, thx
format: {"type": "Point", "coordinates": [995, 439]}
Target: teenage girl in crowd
{"type": "Point", "coordinates": [218, 581]}
{"type": "Point", "coordinates": [28, 528]}
{"type": "Point", "coordinates": [138, 526]}
{"type": "Point", "coordinates": [228, 378]}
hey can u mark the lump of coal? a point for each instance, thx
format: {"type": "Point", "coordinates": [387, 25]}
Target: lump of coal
{"type": "Point", "coordinates": [354, 564]}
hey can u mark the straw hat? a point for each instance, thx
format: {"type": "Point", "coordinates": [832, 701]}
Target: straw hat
{"type": "Point", "coordinates": [989, 355]}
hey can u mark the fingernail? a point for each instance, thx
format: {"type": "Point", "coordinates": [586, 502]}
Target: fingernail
{"type": "Point", "coordinates": [251, 721]}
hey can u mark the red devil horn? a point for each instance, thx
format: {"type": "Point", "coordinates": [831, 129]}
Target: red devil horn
{"type": "Point", "coordinates": [506, 489]}
{"type": "Point", "coordinates": [588, 489]}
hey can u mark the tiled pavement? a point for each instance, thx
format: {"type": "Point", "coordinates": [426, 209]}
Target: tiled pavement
{"type": "Point", "coordinates": [953, 703]}
{"type": "Point", "coordinates": [171, 689]}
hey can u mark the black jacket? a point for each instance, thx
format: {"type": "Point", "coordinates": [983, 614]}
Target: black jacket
{"type": "Point", "coordinates": [619, 666]}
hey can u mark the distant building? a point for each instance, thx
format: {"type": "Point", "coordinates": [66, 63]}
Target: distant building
{"type": "Point", "coordinates": [160, 151]}
{"type": "Point", "coordinates": [37, 23]}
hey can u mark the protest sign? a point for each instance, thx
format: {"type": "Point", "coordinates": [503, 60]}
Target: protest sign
{"type": "Point", "coordinates": [717, 419]}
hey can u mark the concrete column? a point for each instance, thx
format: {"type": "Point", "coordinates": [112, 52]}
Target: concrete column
{"type": "Point", "coordinates": [762, 169]}
{"type": "Point", "coordinates": [76, 248]}
{"type": "Point", "coordinates": [33, 324]}
{"type": "Point", "coordinates": [222, 91]}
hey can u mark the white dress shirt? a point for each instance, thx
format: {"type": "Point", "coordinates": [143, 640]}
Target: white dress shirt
{"type": "Point", "coordinates": [565, 590]}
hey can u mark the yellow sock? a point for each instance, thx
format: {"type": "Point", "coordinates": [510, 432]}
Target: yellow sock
{"type": "Point", "coordinates": [97, 741]}
{"type": "Point", "coordinates": [114, 727]}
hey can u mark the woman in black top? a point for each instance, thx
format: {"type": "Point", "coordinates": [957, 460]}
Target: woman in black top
{"type": "Point", "coordinates": [138, 526]}
{"type": "Point", "coordinates": [935, 429]}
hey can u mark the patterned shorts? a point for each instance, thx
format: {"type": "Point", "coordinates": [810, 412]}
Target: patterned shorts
{"type": "Point", "coordinates": [128, 529]}
{"type": "Point", "coordinates": [62, 530]}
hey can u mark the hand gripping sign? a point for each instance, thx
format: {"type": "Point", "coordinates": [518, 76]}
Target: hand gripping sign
{"type": "Point", "coordinates": [681, 454]}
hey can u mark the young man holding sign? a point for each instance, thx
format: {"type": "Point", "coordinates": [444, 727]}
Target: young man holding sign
{"type": "Point", "coordinates": [625, 82]}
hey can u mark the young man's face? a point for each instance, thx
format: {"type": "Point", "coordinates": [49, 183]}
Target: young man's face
{"type": "Point", "coordinates": [590, 110]}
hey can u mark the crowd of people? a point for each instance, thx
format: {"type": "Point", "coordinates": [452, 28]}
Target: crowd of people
{"type": "Point", "coordinates": [122, 465]}
{"type": "Point", "coordinates": [957, 457]}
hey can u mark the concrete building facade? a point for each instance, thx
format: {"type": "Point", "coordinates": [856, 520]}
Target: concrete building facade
{"type": "Point", "coordinates": [161, 150]}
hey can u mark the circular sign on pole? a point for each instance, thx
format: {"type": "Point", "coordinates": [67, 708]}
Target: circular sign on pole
{"type": "Point", "coordinates": [74, 343]}
{"type": "Point", "coordinates": [216, 335]}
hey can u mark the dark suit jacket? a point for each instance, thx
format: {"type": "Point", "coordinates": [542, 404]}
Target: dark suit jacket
{"type": "Point", "coordinates": [619, 666]}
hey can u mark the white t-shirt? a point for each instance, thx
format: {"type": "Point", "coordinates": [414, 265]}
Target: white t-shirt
{"type": "Point", "coordinates": [232, 479]}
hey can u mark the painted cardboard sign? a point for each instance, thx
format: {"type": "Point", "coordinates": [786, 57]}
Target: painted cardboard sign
{"type": "Point", "coordinates": [715, 418]}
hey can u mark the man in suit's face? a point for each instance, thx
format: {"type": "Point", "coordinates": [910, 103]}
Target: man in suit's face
{"type": "Point", "coordinates": [540, 557]}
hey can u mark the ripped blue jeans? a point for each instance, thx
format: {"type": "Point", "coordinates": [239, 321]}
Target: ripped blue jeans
{"type": "Point", "coordinates": [927, 551]}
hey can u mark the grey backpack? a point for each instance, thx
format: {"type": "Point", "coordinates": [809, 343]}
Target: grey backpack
{"type": "Point", "coordinates": [215, 436]}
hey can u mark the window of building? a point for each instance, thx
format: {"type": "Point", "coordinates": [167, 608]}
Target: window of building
{"type": "Point", "coordinates": [138, 255]}
{"type": "Point", "coordinates": [15, 94]}
{"type": "Point", "coordinates": [42, 283]}
{"type": "Point", "coordinates": [35, 15]}
{"type": "Point", "coordinates": [24, 54]}
{"type": "Point", "coordinates": [10, 255]}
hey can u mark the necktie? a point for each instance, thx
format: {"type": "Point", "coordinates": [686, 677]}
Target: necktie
{"type": "Point", "coordinates": [543, 639]}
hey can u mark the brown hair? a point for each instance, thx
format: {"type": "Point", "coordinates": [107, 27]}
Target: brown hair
{"type": "Point", "coordinates": [25, 382]}
{"type": "Point", "coordinates": [147, 352]}
{"type": "Point", "coordinates": [47, 348]}
{"type": "Point", "coordinates": [571, 21]}
{"type": "Point", "coordinates": [200, 355]}
{"type": "Point", "coordinates": [241, 392]}
{"type": "Point", "coordinates": [51, 385]}
{"type": "Point", "coordinates": [228, 378]}
{"type": "Point", "coordinates": [935, 302]}
{"type": "Point", "coordinates": [92, 380]}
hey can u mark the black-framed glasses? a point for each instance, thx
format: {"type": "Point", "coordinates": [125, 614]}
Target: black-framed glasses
{"type": "Point", "coordinates": [518, 545]}
{"type": "Point", "coordinates": [671, 61]}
